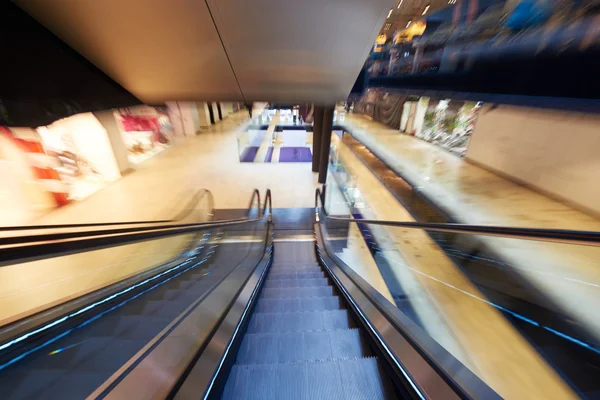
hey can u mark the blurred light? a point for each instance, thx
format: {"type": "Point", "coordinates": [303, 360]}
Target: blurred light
{"type": "Point", "coordinates": [409, 22]}
{"type": "Point", "coordinates": [390, 13]}
{"type": "Point", "coordinates": [399, 4]}
{"type": "Point", "coordinates": [425, 10]}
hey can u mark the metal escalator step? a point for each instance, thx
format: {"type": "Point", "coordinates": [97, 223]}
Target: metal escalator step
{"type": "Point", "coordinates": [296, 275]}
{"type": "Point", "coordinates": [299, 321]}
{"type": "Point", "coordinates": [296, 267]}
{"type": "Point", "coordinates": [366, 380]}
{"type": "Point", "coordinates": [288, 270]}
{"type": "Point", "coordinates": [290, 283]}
{"type": "Point", "coordinates": [268, 348]}
{"type": "Point", "coordinates": [331, 380]}
{"type": "Point", "coordinates": [291, 292]}
{"type": "Point", "coordinates": [299, 304]}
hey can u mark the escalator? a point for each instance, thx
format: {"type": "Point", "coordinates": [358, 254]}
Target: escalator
{"type": "Point", "coordinates": [302, 341]}
{"type": "Point", "coordinates": [76, 364]}
{"type": "Point", "coordinates": [256, 305]}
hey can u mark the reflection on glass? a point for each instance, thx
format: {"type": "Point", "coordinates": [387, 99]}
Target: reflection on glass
{"type": "Point", "coordinates": [529, 331]}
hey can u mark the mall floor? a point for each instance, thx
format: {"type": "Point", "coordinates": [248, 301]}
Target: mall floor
{"type": "Point", "coordinates": [159, 187]}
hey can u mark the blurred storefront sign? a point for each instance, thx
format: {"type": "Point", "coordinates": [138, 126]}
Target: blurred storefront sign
{"type": "Point", "coordinates": [146, 131]}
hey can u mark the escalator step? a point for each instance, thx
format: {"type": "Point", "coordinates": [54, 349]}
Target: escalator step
{"type": "Point", "coordinates": [292, 305]}
{"type": "Point", "coordinates": [299, 321]}
{"type": "Point", "coordinates": [290, 283]}
{"type": "Point", "coordinates": [331, 380]}
{"type": "Point", "coordinates": [268, 348]}
{"type": "Point", "coordinates": [292, 292]}
{"type": "Point", "coordinates": [274, 275]}
{"type": "Point", "coordinates": [296, 267]}
{"type": "Point", "coordinates": [291, 270]}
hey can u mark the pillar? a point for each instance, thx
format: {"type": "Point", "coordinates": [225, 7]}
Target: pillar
{"type": "Point", "coordinates": [317, 128]}
{"type": "Point", "coordinates": [215, 110]}
{"type": "Point", "coordinates": [109, 122]}
{"type": "Point", "coordinates": [203, 114]}
{"type": "Point", "coordinates": [327, 126]}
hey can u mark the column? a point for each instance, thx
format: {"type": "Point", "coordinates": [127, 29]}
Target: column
{"type": "Point", "coordinates": [325, 142]}
{"type": "Point", "coordinates": [109, 122]}
{"type": "Point", "coordinates": [203, 114]}
{"type": "Point", "coordinates": [224, 110]}
{"type": "Point", "coordinates": [317, 128]}
{"type": "Point", "coordinates": [215, 112]}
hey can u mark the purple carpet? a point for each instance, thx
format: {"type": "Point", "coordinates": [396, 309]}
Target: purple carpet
{"type": "Point", "coordinates": [295, 154]}
{"type": "Point", "coordinates": [269, 155]}
{"type": "Point", "coordinates": [249, 154]}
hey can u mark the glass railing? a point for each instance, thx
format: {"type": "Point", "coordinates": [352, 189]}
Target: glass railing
{"type": "Point", "coordinates": [80, 317]}
{"type": "Point", "coordinates": [520, 319]}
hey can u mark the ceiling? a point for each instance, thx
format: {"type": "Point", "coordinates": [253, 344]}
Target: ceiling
{"type": "Point", "coordinates": [237, 50]}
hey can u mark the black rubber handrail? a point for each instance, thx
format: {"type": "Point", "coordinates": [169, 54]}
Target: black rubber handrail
{"type": "Point", "coordinates": [35, 247]}
{"type": "Point", "coordinates": [179, 217]}
{"type": "Point", "coordinates": [585, 238]}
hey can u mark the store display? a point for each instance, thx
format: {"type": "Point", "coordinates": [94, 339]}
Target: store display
{"type": "Point", "coordinates": [84, 159]}
{"type": "Point", "coordinates": [450, 124]}
{"type": "Point", "coordinates": [146, 131]}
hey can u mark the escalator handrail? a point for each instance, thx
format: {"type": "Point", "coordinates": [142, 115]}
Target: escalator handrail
{"type": "Point", "coordinates": [36, 247]}
{"type": "Point", "coordinates": [195, 200]}
{"type": "Point", "coordinates": [422, 358]}
{"type": "Point", "coordinates": [28, 239]}
{"type": "Point", "coordinates": [585, 238]}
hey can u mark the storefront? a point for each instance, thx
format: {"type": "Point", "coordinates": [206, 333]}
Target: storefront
{"type": "Point", "coordinates": [146, 131]}
{"type": "Point", "coordinates": [449, 124]}
{"type": "Point", "coordinates": [82, 155]}
{"type": "Point", "coordinates": [443, 122]}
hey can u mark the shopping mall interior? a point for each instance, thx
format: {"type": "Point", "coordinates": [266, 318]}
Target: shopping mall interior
{"type": "Point", "coordinates": [369, 199]}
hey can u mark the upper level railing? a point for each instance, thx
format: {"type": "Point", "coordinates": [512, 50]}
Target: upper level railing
{"type": "Point", "coordinates": [585, 238]}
